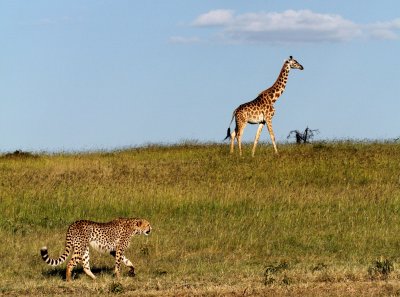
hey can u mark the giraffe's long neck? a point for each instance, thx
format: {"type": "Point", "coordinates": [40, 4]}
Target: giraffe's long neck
{"type": "Point", "coordinates": [279, 86]}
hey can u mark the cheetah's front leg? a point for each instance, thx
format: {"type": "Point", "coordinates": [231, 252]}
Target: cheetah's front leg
{"type": "Point", "coordinates": [127, 262]}
{"type": "Point", "coordinates": [130, 265]}
{"type": "Point", "coordinates": [118, 258]}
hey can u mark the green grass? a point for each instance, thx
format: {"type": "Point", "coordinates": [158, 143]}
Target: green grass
{"type": "Point", "coordinates": [319, 213]}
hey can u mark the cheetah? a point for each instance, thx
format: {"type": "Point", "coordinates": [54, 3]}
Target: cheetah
{"type": "Point", "coordinates": [111, 237]}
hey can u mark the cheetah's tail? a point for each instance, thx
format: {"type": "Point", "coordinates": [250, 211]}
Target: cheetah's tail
{"type": "Point", "coordinates": [55, 262]}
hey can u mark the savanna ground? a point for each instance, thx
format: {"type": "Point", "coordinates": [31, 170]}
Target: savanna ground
{"type": "Point", "coordinates": [318, 219]}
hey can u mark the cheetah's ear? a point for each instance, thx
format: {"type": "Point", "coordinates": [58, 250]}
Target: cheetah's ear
{"type": "Point", "coordinates": [139, 223]}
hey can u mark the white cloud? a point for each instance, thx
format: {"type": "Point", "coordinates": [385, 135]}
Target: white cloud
{"type": "Point", "coordinates": [216, 17]}
{"type": "Point", "coordinates": [384, 30]}
{"type": "Point", "coordinates": [383, 34]}
{"type": "Point", "coordinates": [292, 26]}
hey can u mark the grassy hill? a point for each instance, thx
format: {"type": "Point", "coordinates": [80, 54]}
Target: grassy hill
{"type": "Point", "coordinates": [316, 218]}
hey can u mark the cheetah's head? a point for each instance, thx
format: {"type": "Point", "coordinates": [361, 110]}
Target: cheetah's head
{"type": "Point", "coordinates": [143, 227]}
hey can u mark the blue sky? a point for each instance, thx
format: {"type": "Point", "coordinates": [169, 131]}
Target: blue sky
{"type": "Point", "coordinates": [83, 75]}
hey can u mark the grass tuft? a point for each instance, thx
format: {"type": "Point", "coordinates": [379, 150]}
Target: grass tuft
{"type": "Point", "coordinates": [381, 269]}
{"type": "Point", "coordinates": [272, 271]}
{"type": "Point", "coordinates": [116, 288]}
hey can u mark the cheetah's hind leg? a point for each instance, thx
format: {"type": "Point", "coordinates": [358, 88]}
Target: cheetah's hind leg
{"type": "Point", "coordinates": [85, 264]}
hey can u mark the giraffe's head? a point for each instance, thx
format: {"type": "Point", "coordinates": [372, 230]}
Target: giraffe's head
{"type": "Point", "coordinates": [294, 64]}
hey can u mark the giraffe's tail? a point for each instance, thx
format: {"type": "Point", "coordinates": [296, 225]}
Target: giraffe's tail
{"type": "Point", "coordinates": [228, 132]}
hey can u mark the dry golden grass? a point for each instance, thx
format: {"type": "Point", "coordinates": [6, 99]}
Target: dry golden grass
{"type": "Point", "coordinates": [310, 221]}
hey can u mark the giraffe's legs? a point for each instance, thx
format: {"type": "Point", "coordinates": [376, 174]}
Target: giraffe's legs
{"type": "Point", "coordinates": [260, 126]}
{"type": "Point", "coordinates": [271, 133]}
{"type": "Point", "coordinates": [239, 134]}
{"type": "Point", "coordinates": [233, 135]}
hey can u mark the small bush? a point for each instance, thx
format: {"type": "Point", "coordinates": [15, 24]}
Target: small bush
{"type": "Point", "coordinates": [160, 272]}
{"type": "Point", "coordinates": [272, 270]}
{"type": "Point", "coordinates": [116, 288]}
{"type": "Point", "coordinates": [319, 267]}
{"type": "Point", "coordinates": [381, 269]}
{"type": "Point", "coordinates": [18, 154]}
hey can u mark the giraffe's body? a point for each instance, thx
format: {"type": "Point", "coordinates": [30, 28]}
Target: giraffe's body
{"type": "Point", "coordinates": [261, 110]}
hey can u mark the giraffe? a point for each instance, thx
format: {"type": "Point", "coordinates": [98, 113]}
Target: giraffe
{"type": "Point", "coordinates": [260, 110]}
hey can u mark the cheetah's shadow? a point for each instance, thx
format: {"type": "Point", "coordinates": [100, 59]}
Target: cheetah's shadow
{"type": "Point", "coordinates": [78, 272]}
